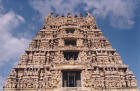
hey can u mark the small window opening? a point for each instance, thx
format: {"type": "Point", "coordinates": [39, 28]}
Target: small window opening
{"type": "Point", "coordinates": [70, 42]}
{"type": "Point", "coordinates": [51, 27]}
{"type": "Point", "coordinates": [70, 30]}
{"type": "Point", "coordinates": [105, 69]}
{"type": "Point", "coordinates": [95, 68]}
{"type": "Point", "coordinates": [88, 27]}
{"type": "Point", "coordinates": [71, 55]}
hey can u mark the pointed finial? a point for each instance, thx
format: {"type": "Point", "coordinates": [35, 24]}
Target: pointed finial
{"type": "Point", "coordinates": [75, 15]}
{"type": "Point", "coordinates": [62, 15]}
{"type": "Point", "coordinates": [50, 14]}
{"type": "Point", "coordinates": [57, 15]}
{"type": "Point", "coordinates": [69, 15]}
{"type": "Point", "coordinates": [88, 14]}
{"type": "Point", "coordinates": [47, 17]}
{"type": "Point", "coordinates": [81, 15]}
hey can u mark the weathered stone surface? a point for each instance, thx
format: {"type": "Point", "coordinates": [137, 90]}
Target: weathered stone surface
{"type": "Point", "coordinates": [40, 67]}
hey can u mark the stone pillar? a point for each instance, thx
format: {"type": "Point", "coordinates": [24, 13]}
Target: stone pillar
{"type": "Point", "coordinates": [61, 42]}
{"type": "Point", "coordinates": [79, 42]}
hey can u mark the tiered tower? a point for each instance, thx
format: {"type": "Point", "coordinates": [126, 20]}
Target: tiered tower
{"type": "Point", "coordinates": [70, 53]}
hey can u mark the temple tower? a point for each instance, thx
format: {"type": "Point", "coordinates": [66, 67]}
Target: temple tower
{"type": "Point", "coordinates": [70, 53]}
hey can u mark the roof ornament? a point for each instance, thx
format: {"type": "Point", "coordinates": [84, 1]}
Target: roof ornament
{"type": "Point", "coordinates": [57, 15]}
{"type": "Point", "coordinates": [75, 15]}
{"type": "Point", "coordinates": [88, 14]}
{"type": "Point", "coordinates": [69, 15]}
{"type": "Point", "coordinates": [81, 15]}
{"type": "Point", "coordinates": [50, 14]}
{"type": "Point", "coordinates": [62, 15]}
{"type": "Point", "coordinates": [47, 17]}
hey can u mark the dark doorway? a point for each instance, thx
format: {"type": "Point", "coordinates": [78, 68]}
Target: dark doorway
{"type": "Point", "coordinates": [71, 78]}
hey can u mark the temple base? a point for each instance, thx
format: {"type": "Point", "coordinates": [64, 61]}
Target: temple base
{"type": "Point", "coordinates": [73, 89]}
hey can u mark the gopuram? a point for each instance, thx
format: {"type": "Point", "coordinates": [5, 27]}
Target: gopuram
{"type": "Point", "coordinates": [70, 53]}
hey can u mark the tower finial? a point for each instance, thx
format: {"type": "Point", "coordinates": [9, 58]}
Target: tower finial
{"type": "Point", "coordinates": [81, 15]}
{"type": "Point", "coordinates": [47, 17]}
{"type": "Point", "coordinates": [50, 14]}
{"type": "Point", "coordinates": [62, 15]}
{"type": "Point", "coordinates": [75, 15]}
{"type": "Point", "coordinates": [57, 15]}
{"type": "Point", "coordinates": [69, 15]}
{"type": "Point", "coordinates": [88, 14]}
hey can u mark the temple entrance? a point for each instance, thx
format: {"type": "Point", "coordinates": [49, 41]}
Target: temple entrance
{"type": "Point", "coordinates": [71, 78]}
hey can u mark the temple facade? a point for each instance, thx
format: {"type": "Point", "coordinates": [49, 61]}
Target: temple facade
{"type": "Point", "coordinates": [70, 53]}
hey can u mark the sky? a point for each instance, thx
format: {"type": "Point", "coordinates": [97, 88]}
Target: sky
{"type": "Point", "coordinates": [20, 20]}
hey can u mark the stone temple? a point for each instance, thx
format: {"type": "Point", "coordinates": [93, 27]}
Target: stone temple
{"type": "Point", "coordinates": [70, 53]}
